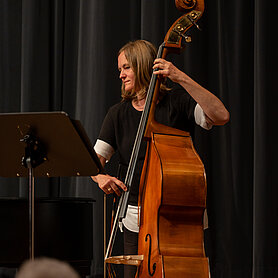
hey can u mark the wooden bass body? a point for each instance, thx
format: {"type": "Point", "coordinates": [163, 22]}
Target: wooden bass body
{"type": "Point", "coordinates": [172, 201]}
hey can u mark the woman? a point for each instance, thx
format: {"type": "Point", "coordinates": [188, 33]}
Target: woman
{"type": "Point", "coordinates": [182, 106]}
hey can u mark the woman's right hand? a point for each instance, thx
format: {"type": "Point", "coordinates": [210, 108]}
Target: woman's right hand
{"type": "Point", "coordinates": [109, 184]}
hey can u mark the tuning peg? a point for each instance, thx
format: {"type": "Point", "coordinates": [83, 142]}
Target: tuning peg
{"type": "Point", "coordinates": [186, 38]}
{"type": "Point", "coordinates": [192, 17]}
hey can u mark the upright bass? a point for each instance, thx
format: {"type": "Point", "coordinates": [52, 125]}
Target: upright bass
{"type": "Point", "coordinates": [172, 193]}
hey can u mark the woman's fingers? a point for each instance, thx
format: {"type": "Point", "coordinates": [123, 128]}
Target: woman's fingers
{"type": "Point", "coordinates": [111, 184]}
{"type": "Point", "coordinates": [167, 69]}
{"type": "Point", "coordinates": [117, 185]}
{"type": "Point", "coordinates": [162, 67]}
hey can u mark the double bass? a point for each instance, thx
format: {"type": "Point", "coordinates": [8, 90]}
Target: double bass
{"type": "Point", "coordinates": [172, 192]}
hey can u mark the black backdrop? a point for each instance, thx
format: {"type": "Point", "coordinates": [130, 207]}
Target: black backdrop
{"type": "Point", "coordinates": [62, 55]}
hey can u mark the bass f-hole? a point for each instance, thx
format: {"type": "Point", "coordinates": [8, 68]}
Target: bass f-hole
{"type": "Point", "coordinates": [151, 273]}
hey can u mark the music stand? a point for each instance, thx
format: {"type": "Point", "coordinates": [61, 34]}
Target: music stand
{"type": "Point", "coordinates": [46, 144]}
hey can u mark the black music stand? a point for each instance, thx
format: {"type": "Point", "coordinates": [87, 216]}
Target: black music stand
{"type": "Point", "coordinates": [47, 144]}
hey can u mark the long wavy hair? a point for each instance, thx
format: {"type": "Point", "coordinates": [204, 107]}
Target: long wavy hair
{"type": "Point", "coordinates": [140, 55]}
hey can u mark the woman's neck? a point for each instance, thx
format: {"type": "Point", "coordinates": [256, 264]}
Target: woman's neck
{"type": "Point", "coordinates": [138, 104]}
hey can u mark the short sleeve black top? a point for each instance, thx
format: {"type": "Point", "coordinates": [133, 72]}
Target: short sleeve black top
{"type": "Point", "coordinates": [175, 109]}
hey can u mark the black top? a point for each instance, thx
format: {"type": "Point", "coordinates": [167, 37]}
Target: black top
{"type": "Point", "coordinates": [176, 109]}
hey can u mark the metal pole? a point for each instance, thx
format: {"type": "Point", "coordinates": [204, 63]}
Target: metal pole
{"type": "Point", "coordinates": [31, 209]}
{"type": "Point", "coordinates": [104, 232]}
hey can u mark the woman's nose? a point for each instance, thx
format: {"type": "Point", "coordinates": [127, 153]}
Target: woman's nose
{"type": "Point", "coordinates": [122, 73]}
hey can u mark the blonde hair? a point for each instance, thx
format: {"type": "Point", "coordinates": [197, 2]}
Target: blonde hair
{"type": "Point", "coordinates": [140, 55]}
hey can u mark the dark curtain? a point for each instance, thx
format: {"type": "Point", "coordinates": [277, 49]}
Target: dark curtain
{"type": "Point", "coordinates": [61, 55]}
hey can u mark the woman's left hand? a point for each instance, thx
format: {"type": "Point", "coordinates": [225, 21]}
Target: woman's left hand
{"type": "Point", "coordinates": [167, 69]}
